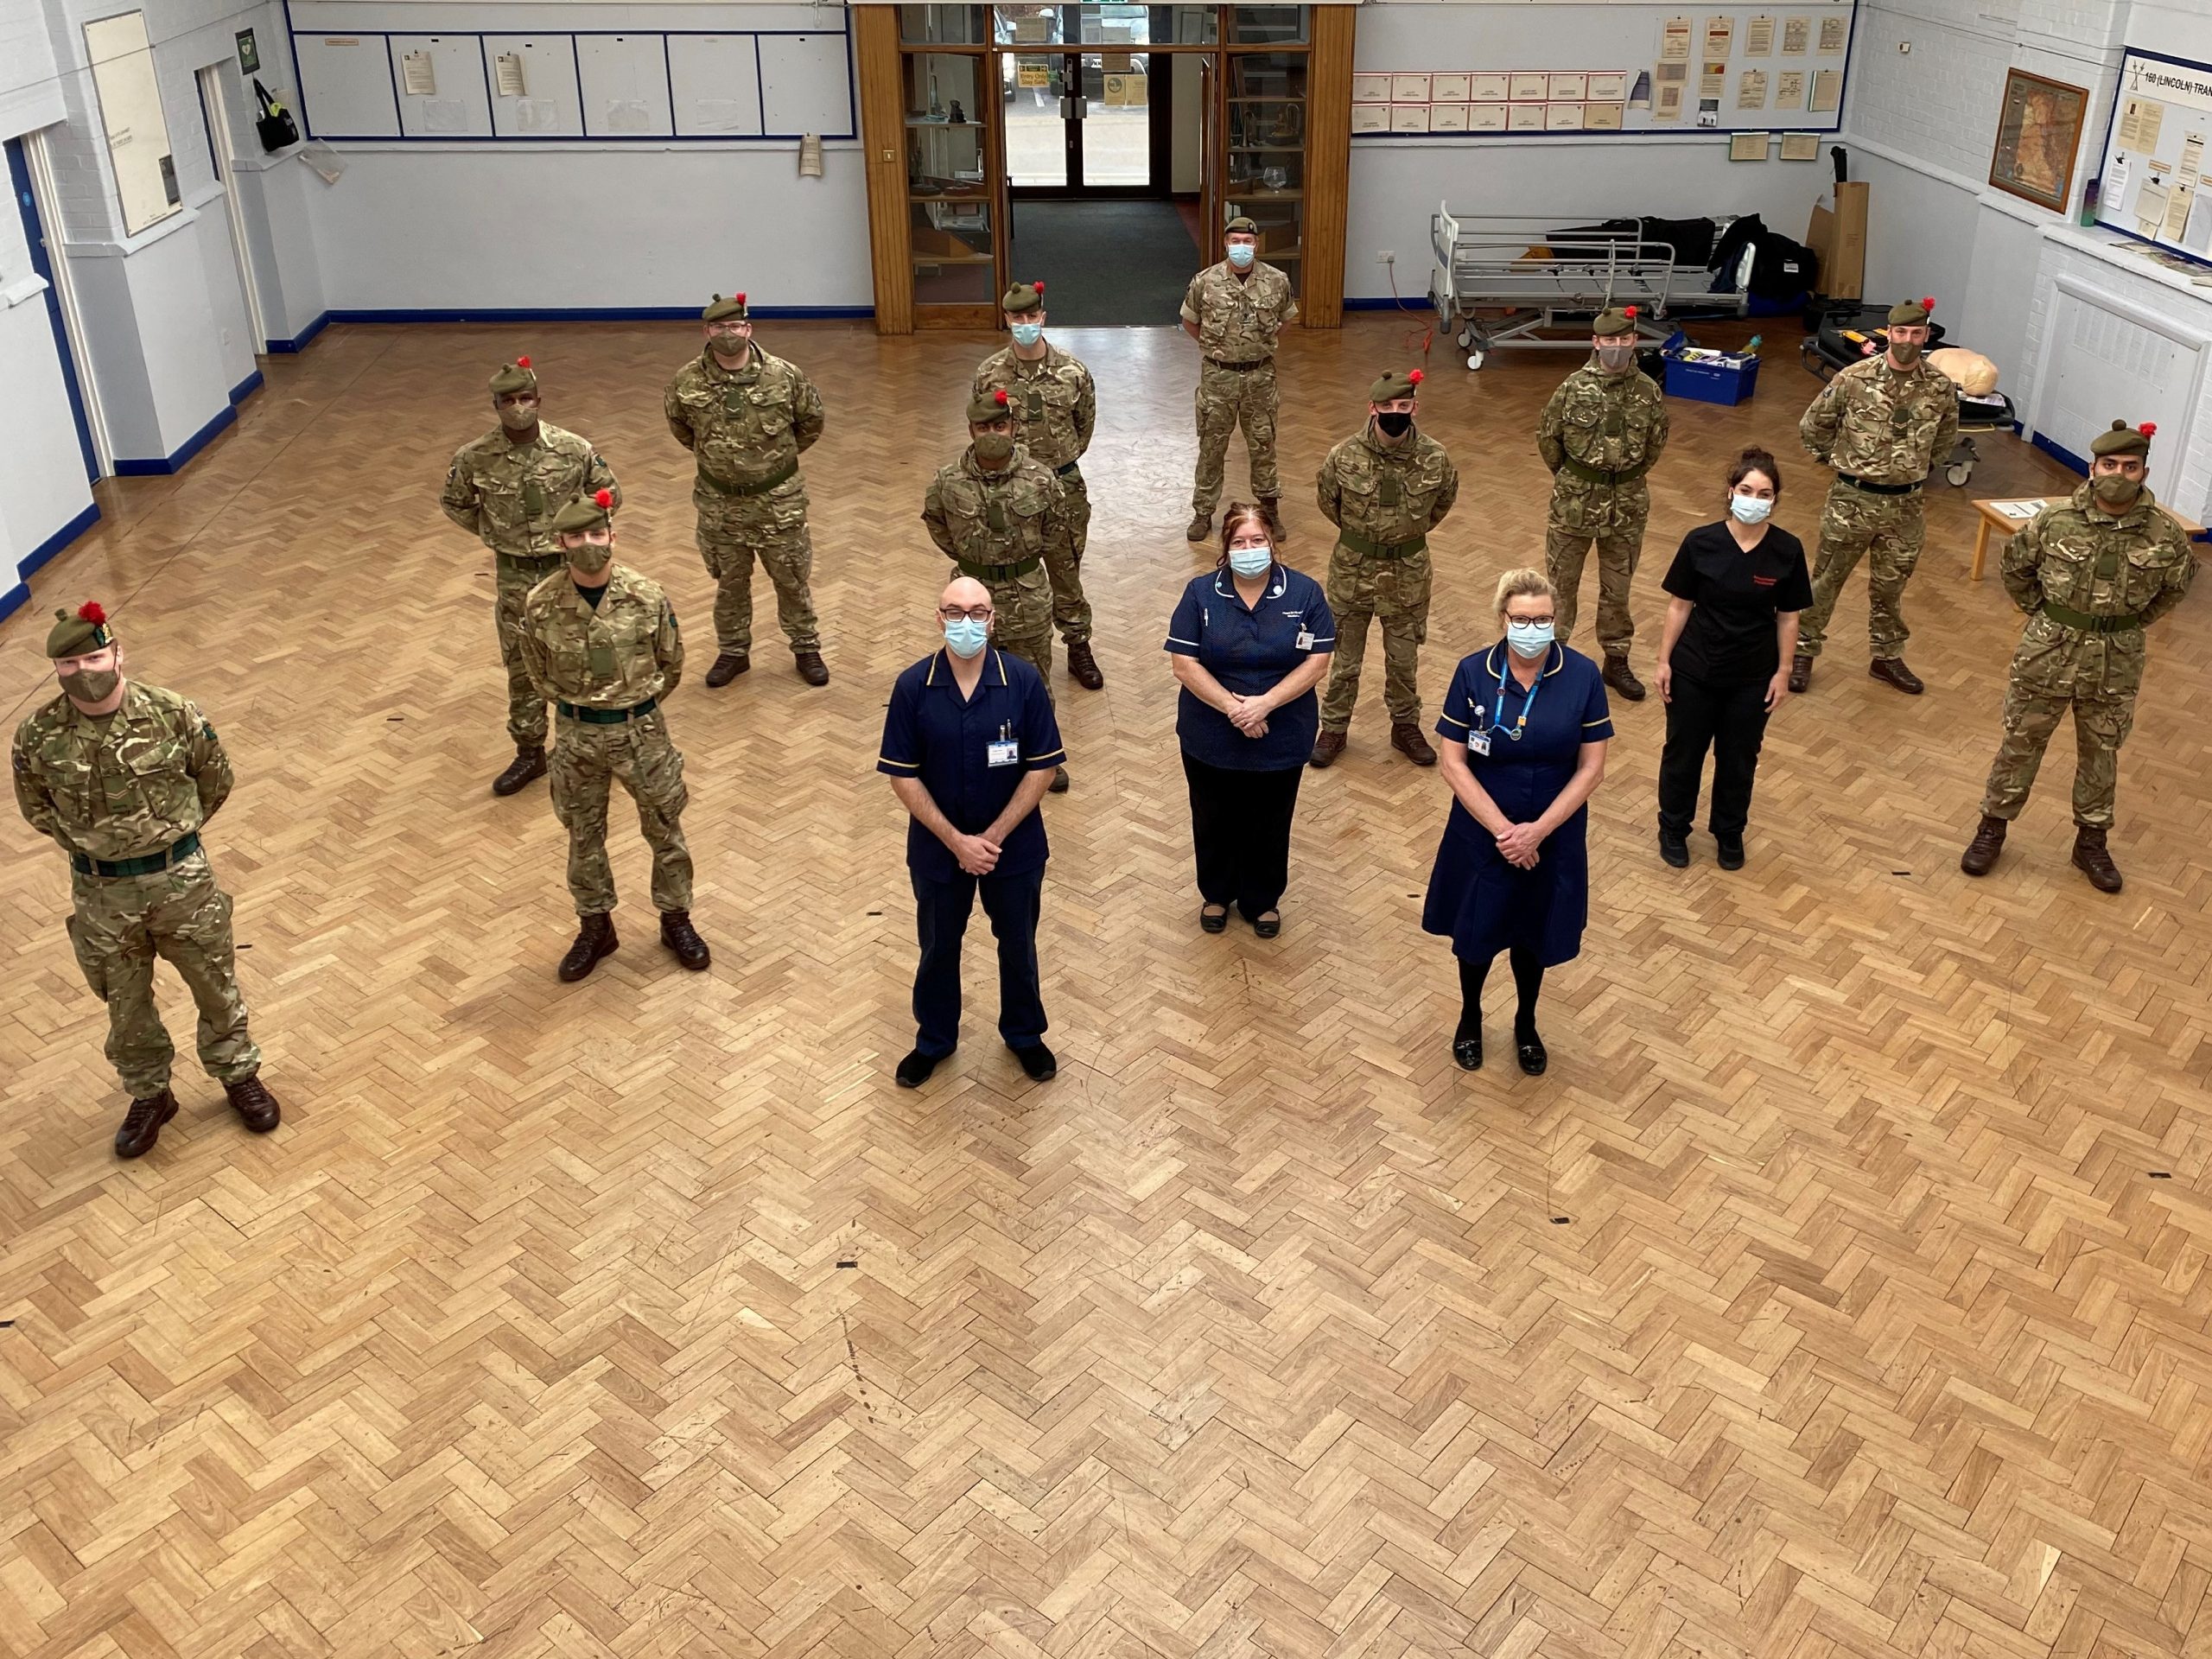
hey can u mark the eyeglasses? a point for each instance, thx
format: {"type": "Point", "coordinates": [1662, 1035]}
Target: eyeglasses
{"type": "Point", "coordinates": [954, 614]}
{"type": "Point", "coordinates": [1538, 621]}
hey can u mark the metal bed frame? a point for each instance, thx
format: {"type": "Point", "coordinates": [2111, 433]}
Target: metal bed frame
{"type": "Point", "coordinates": [1500, 279]}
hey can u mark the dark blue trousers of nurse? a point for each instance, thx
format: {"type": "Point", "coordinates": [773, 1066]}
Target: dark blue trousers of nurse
{"type": "Point", "coordinates": [941, 912]}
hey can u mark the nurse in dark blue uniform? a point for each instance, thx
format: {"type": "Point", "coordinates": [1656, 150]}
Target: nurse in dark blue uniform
{"type": "Point", "coordinates": [1249, 641]}
{"type": "Point", "coordinates": [970, 746]}
{"type": "Point", "coordinates": [1525, 726]}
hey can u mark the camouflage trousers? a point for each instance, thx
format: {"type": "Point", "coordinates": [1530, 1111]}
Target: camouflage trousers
{"type": "Point", "coordinates": [1567, 550]}
{"type": "Point", "coordinates": [119, 925]}
{"type": "Point", "coordinates": [1228, 398]}
{"type": "Point", "coordinates": [587, 762]}
{"type": "Point", "coordinates": [735, 529]}
{"type": "Point", "coordinates": [1369, 586]}
{"type": "Point", "coordinates": [1887, 532]}
{"type": "Point", "coordinates": [1024, 626]}
{"type": "Point", "coordinates": [2102, 722]}
{"type": "Point", "coordinates": [1063, 561]}
{"type": "Point", "coordinates": [525, 709]}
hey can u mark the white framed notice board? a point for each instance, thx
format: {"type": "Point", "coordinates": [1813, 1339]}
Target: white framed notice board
{"type": "Point", "coordinates": [2151, 184]}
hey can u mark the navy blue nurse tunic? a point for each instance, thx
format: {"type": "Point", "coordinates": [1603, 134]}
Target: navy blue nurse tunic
{"type": "Point", "coordinates": [1476, 899]}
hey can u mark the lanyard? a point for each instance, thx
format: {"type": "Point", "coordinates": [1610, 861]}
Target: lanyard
{"type": "Point", "coordinates": [1497, 722]}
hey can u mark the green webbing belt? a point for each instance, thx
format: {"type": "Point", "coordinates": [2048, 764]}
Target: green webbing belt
{"type": "Point", "coordinates": [607, 716]}
{"type": "Point", "coordinates": [1599, 475]}
{"type": "Point", "coordinates": [1385, 549]}
{"type": "Point", "coordinates": [789, 471]}
{"type": "Point", "coordinates": [2088, 624]}
{"type": "Point", "coordinates": [149, 865]}
{"type": "Point", "coordinates": [997, 572]}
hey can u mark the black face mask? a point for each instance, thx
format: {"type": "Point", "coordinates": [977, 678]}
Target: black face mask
{"type": "Point", "coordinates": [1395, 423]}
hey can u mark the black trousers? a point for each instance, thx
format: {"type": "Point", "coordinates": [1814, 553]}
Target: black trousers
{"type": "Point", "coordinates": [1731, 721]}
{"type": "Point", "coordinates": [941, 912]}
{"type": "Point", "coordinates": [1240, 828]}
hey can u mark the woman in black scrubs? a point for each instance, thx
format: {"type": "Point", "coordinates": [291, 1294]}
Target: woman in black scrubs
{"type": "Point", "coordinates": [1524, 726]}
{"type": "Point", "coordinates": [1249, 641]}
{"type": "Point", "coordinates": [1724, 659]}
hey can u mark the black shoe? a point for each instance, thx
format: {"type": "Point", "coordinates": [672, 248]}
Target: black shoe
{"type": "Point", "coordinates": [1732, 851]}
{"type": "Point", "coordinates": [143, 1123]}
{"type": "Point", "coordinates": [1529, 1050]}
{"type": "Point", "coordinates": [594, 939]}
{"type": "Point", "coordinates": [729, 666]}
{"type": "Point", "coordinates": [1675, 847]}
{"type": "Point", "coordinates": [1212, 922]}
{"type": "Point", "coordinates": [529, 763]}
{"type": "Point", "coordinates": [1037, 1060]}
{"type": "Point", "coordinates": [1263, 927]}
{"type": "Point", "coordinates": [914, 1070]}
{"type": "Point", "coordinates": [679, 936]}
{"type": "Point", "coordinates": [1467, 1053]}
{"type": "Point", "coordinates": [811, 668]}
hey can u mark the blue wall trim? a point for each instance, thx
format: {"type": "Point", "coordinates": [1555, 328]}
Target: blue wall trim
{"type": "Point", "coordinates": [2059, 453]}
{"type": "Point", "coordinates": [245, 388]}
{"type": "Point", "coordinates": [191, 447]}
{"type": "Point", "coordinates": [15, 597]}
{"type": "Point", "coordinates": [299, 342]}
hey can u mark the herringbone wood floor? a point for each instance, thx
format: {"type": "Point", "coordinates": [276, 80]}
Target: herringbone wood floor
{"type": "Point", "coordinates": [1843, 1288]}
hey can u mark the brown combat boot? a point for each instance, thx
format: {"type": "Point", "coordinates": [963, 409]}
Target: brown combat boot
{"type": "Point", "coordinates": [727, 666]}
{"type": "Point", "coordinates": [1272, 506]}
{"type": "Point", "coordinates": [1981, 855]}
{"type": "Point", "coordinates": [1892, 670]}
{"type": "Point", "coordinates": [529, 763]}
{"type": "Point", "coordinates": [679, 936]}
{"type": "Point", "coordinates": [1200, 527]}
{"type": "Point", "coordinates": [1619, 674]}
{"type": "Point", "coordinates": [594, 939]}
{"type": "Point", "coordinates": [1406, 738]}
{"type": "Point", "coordinates": [1085, 666]}
{"type": "Point", "coordinates": [811, 668]}
{"type": "Point", "coordinates": [1327, 746]}
{"type": "Point", "coordinates": [1801, 672]}
{"type": "Point", "coordinates": [141, 1124]}
{"type": "Point", "coordinates": [256, 1106]}
{"type": "Point", "coordinates": [2091, 858]}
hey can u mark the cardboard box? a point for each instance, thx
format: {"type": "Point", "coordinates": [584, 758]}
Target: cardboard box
{"type": "Point", "coordinates": [1839, 238]}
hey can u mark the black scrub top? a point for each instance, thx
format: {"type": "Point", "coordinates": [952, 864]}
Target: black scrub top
{"type": "Point", "coordinates": [1730, 638]}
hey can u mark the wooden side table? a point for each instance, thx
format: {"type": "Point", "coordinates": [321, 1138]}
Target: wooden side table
{"type": "Point", "coordinates": [1994, 516]}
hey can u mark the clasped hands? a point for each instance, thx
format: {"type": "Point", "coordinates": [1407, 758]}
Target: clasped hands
{"type": "Point", "coordinates": [977, 855]}
{"type": "Point", "coordinates": [1248, 714]}
{"type": "Point", "coordinates": [1517, 844]}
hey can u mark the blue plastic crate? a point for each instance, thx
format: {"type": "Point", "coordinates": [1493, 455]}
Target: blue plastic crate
{"type": "Point", "coordinates": [1708, 382]}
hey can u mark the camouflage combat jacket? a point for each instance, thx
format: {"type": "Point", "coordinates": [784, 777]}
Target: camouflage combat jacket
{"type": "Point", "coordinates": [507, 494]}
{"type": "Point", "coordinates": [613, 657]}
{"type": "Point", "coordinates": [1380, 493]}
{"type": "Point", "coordinates": [983, 518]}
{"type": "Point", "coordinates": [1885, 425]}
{"type": "Point", "coordinates": [1238, 317]}
{"type": "Point", "coordinates": [746, 425]}
{"type": "Point", "coordinates": [1054, 405]}
{"type": "Point", "coordinates": [1607, 422]}
{"type": "Point", "coordinates": [2076, 560]}
{"type": "Point", "coordinates": [134, 784]}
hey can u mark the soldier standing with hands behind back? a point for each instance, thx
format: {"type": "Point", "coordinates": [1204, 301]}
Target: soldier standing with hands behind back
{"type": "Point", "coordinates": [1882, 424]}
{"type": "Point", "coordinates": [1236, 310]}
{"type": "Point", "coordinates": [1601, 431]}
{"type": "Point", "coordinates": [2091, 573]}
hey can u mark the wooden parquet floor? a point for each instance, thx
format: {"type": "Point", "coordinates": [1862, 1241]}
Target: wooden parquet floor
{"type": "Point", "coordinates": [1842, 1290]}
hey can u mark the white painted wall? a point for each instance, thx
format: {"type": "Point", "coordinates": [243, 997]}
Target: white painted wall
{"type": "Point", "coordinates": [30, 97]}
{"type": "Point", "coordinates": [45, 471]}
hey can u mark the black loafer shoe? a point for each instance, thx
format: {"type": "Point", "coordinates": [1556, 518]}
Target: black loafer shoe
{"type": "Point", "coordinates": [1732, 852]}
{"type": "Point", "coordinates": [1467, 1053]}
{"type": "Point", "coordinates": [1212, 922]}
{"type": "Point", "coordinates": [1037, 1060]}
{"type": "Point", "coordinates": [1674, 848]}
{"type": "Point", "coordinates": [1531, 1054]}
{"type": "Point", "coordinates": [914, 1070]}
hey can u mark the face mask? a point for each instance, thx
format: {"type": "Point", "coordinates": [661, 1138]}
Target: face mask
{"type": "Point", "coordinates": [1395, 423]}
{"type": "Point", "coordinates": [1240, 255]}
{"type": "Point", "coordinates": [966, 636]}
{"type": "Point", "coordinates": [1251, 560]}
{"type": "Point", "coordinates": [590, 557]}
{"type": "Point", "coordinates": [995, 449]}
{"type": "Point", "coordinates": [1028, 334]}
{"type": "Point", "coordinates": [92, 684]}
{"type": "Point", "coordinates": [732, 346]}
{"type": "Point", "coordinates": [518, 417]}
{"type": "Point", "coordinates": [2117, 490]}
{"type": "Point", "coordinates": [1616, 358]}
{"type": "Point", "coordinates": [1528, 638]}
{"type": "Point", "coordinates": [1905, 353]}
{"type": "Point", "coordinates": [1750, 508]}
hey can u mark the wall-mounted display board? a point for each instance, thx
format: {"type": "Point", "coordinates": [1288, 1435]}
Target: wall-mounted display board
{"type": "Point", "coordinates": [1601, 70]}
{"type": "Point", "coordinates": [2151, 184]}
{"type": "Point", "coordinates": [448, 70]}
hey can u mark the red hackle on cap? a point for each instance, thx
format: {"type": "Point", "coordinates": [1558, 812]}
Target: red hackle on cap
{"type": "Point", "coordinates": [521, 362]}
{"type": "Point", "coordinates": [1001, 396]}
{"type": "Point", "coordinates": [1928, 303]}
{"type": "Point", "coordinates": [2149, 429]}
{"type": "Point", "coordinates": [90, 610]}
{"type": "Point", "coordinates": [1039, 287]}
{"type": "Point", "coordinates": [740, 298]}
{"type": "Point", "coordinates": [1629, 312]}
{"type": "Point", "coordinates": [603, 499]}
{"type": "Point", "coordinates": [1416, 377]}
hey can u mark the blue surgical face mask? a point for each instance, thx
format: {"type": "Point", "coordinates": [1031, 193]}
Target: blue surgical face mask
{"type": "Point", "coordinates": [1251, 560]}
{"type": "Point", "coordinates": [966, 636]}
{"type": "Point", "coordinates": [1750, 508]}
{"type": "Point", "coordinates": [1528, 638]}
{"type": "Point", "coordinates": [1240, 254]}
{"type": "Point", "coordinates": [1028, 334]}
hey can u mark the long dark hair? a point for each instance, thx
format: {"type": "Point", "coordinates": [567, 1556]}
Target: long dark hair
{"type": "Point", "coordinates": [1240, 514]}
{"type": "Point", "coordinates": [1755, 460]}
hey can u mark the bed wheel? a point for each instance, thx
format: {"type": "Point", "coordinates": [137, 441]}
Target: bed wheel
{"type": "Point", "coordinates": [1465, 337]}
{"type": "Point", "coordinates": [1959, 472]}
{"type": "Point", "coordinates": [1475, 357]}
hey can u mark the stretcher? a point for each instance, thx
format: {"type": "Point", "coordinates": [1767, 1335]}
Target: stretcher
{"type": "Point", "coordinates": [1843, 338]}
{"type": "Point", "coordinates": [1504, 280]}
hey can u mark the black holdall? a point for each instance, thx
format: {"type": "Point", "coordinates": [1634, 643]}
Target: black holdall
{"type": "Point", "coordinates": [275, 125]}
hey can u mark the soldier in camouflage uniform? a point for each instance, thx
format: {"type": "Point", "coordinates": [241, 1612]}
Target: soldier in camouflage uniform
{"type": "Point", "coordinates": [1601, 431]}
{"type": "Point", "coordinates": [994, 511]}
{"type": "Point", "coordinates": [1882, 424]}
{"type": "Point", "coordinates": [504, 489]}
{"type": "Point", "coordinates": [747, 417]}
{"type": "Point", "coordinates": [2091, 572]}
{"type": "Point", "coordinates": [603, 648]}
{"type": "Point", "coordinates": [1384, 490]}
{"type": "Point", "coordinates": [1236, 310]}
{"type": "Point", "coordinates": [1055, 409]}
{"type": "Point", "coordinates": [124, 776]}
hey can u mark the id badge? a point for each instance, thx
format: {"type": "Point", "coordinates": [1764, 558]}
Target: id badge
{"type": "Point", "coordinates": [1003, 752]}
{"type": "Point", "coordinates": [602, 661]}
{"type": "Point", "coordinates": [1306, 639]}
{"type": "Point", "coordinates": [1478, 743]}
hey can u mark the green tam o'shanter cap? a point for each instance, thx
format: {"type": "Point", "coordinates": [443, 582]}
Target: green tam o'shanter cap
{"type": "Point", "coordinates": [732, 309]}
{"type": "Point", "coordinates": [1911, 314]}
{"type": "Point", "coordinates": [517, 376]}
{"type": "Point", "coordinates": [1240, 225]}
{"type": "Point", "coordinates": [1023, 296]}
{"type": "Point", "coordinates": [79, 635]}
{"type": "Point", "coordinates": [1403, 384]}
{"type": "Point", "coordinates": [1619, 320]}
{"type": "Point", "coordinates": [2125, 440]}
{"type": "Point", "coordinates": [584, 512]}
{"type": "Point", "coordinates": [988, 406]}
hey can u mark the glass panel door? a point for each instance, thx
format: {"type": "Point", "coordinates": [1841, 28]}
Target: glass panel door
{"type": "Point", "coordinates": [1116, 126]}
{"type": "Point", "coordinates": [1267, 151]}
{"type": "Point", "coordinates": [950, 186]}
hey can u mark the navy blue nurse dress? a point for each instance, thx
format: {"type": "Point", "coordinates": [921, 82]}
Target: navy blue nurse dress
{"type": "Point", "coordinates": [1477, 899]}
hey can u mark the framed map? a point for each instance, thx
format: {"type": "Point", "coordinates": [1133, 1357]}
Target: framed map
{"type": "Point", "coordinates": [2037, 134]}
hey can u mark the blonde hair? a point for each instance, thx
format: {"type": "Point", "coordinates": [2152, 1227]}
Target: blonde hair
{"type": "Point", "coordinates": [1523, 584]}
